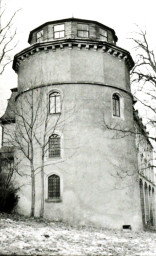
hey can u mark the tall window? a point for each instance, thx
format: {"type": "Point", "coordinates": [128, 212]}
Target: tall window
{"type": "Point", "coordinates": [55, 103]}
{"type": "Point", "coordinates": [116, 105]}
{"type": "Point", "coordinates": [82, 30]}
{"type": "Point", "coordinates": [59, 31]}
{"type": "Point", "coordinates": [103, 35]}
{"type": "Point", "coordinates": [54, 187]}
{"type": "Point", "coordinates": [54, 146]}
{"type": "Point", "coordinates": [39, 36]}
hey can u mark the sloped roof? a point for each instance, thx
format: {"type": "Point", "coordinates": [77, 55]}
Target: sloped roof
{"type": "Point", "coordinates": [9, 115]}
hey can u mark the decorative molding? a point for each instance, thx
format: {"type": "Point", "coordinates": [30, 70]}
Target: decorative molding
{"type": "Point", "coordinates": [61, 46]}
{"type": "Point", "coordinates": [72, 82]}
{"type": "Point", "coordinates": [53, 48]}
{"type": "Point", "coordinates": [70, 46]}
{"type": "Point", "coordinates": [79, 46]}
{"type": "Point", "coordinates": [105, 47]}
{"type": "Point", "coordinates": [95, 47]}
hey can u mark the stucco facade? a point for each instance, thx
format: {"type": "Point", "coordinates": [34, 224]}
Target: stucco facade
{"type": "Point", "coordinates": [146, 172]}
{"type": "Point", "coordinates": [97, 163]}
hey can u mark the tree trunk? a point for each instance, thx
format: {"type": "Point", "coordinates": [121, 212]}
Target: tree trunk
{"type": "Point", "coordinates": [42, 187]}
{"type": "Point", "coordinates": [32, 192]}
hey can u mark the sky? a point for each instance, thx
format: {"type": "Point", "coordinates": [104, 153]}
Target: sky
{"type": "Point", "coordinates": [123, 16]}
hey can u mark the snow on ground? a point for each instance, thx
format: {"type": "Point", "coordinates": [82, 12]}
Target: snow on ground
{"type": "Point", "coordinates": [23, 236]}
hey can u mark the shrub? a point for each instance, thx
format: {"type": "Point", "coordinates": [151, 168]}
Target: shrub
{"type": "Point", "coordinates": [8, 194]}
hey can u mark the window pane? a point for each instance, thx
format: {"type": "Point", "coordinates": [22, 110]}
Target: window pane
{"type": "Point", "coordinates": [62, 34]}
{"type": "Point", "coordinates": [52, 104]}
{"type": "Point", "coordinates": [80, 26]}
{"type": "Point", "coordinates": [116, 105]}
{"type": "Point", "coordinates": [82, 30]}
{"type": "Point", "coordinates": [85, 33]}
{"type": "Point", "coordinates": [59, 27]}
{"type": "Point", "coordinates": [85, 27]}
{"type": "Point", "coordinates": [39, 36]}
{"type": "Point", "coordinates": [103, 32]}
{"type": "Point", "coordinates": [58, 104]}
{"type": "Point", "coordinates": [54, 186]}
{"type": "Point", "coordinates": [114, 110]}
{"type": "Point", "coordinates": [55, 102]}
{"type": "Point", "coordinates": [57, 35]}
{"type": "Point", "coordinates": [80, 33]}
{"type": "Point", "coordinates": [54, 146]}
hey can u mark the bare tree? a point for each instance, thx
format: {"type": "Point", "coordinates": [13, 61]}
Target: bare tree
{"type": "Point", "coordinates": [7, 38]}
{"type": "Point", "coordinates": [143, 84]}
{"type": "Point", "coordinates": [143, 78]}
{"type": "Point", "coordinates": [22, 137]}
{"type": "Point", "coordinates": [30, 137]}
{"type": "Point", "coordinates": [42, 138]}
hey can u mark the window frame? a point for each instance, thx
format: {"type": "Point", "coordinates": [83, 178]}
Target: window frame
{"type": "Point", "coordinates": [53, 200]}
{"type": "Point", "coordinates": [116, 105]}
{"type": "Point", "coordinates": [55, 102]}
{"type": "Point", "coordinates": [102, 36]}
{"type": "Point", "coordinates": [50, 156]}
{"type": "Point", "coordinates": [58, 31]}
{"type": "Point", "coordinates": [40, 38]}
{"type": "Point", "coordinates": [82, 30]}
{"type": "Point", "coordinates": [54, 187]}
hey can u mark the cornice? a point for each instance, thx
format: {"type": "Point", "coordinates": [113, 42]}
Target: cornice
{"type": "Point", "coordinates": [93, 45]}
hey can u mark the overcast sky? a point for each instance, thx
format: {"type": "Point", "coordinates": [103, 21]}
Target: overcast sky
{"type": "Point", "coordinates": [121, 15]}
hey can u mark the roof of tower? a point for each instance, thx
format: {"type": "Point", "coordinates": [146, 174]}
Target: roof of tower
{"type": "Point", "coordinates": [72, 19]}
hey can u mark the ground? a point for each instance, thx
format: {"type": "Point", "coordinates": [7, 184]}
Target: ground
{"type": "Point", "coordinates": [28, 236]}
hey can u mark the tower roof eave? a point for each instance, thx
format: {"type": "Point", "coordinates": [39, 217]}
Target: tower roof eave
{"type": "Point", "coordinates": [107, 47]}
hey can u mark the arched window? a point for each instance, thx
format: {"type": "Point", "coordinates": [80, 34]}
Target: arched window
{"type": "Point", "coordinates": [116, 105]}
{"type": "Point", "coordinates": [53, 187]}
{"type": "Point", "coordinates": [54, 146]}
{"type": "Point", "coordinates": [55, 102]}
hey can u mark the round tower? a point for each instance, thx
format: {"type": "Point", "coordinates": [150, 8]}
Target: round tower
{"type": "Point", "coordinates": [77, 81]}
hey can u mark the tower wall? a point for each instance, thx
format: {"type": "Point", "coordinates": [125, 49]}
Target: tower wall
{"type": "Point", "coordinates": [98, 165]}
{"type": "Point", "coordinates": [72, 66]}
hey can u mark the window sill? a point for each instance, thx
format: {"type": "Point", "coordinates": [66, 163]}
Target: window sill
{"type": "Point", "coordinates": [118, 117]}
{"type": "Point", "coordinates": [54, 160]}
{"type": "Point", "coordinates": [56, 200]}
{"type": "Point", "coordinates": [58, 113]}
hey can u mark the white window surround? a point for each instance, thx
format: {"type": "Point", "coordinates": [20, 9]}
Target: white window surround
{"type": "Point", "coordinates": [121, 106]}
{"type": "Point", "coordinates": [47, 175]}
